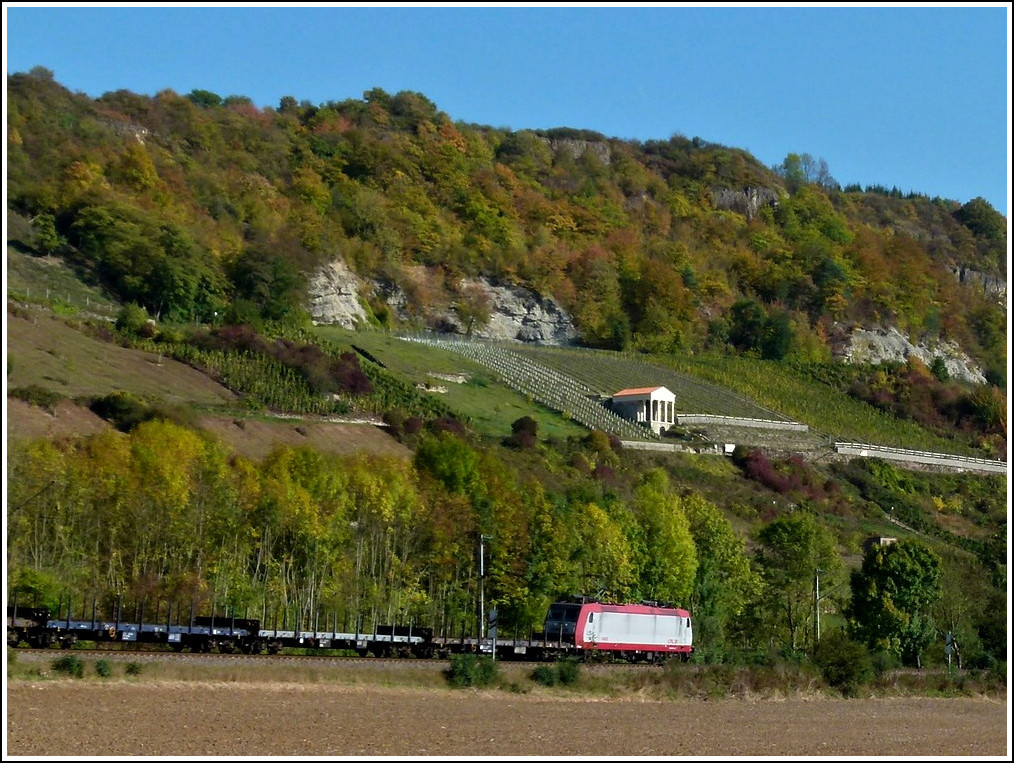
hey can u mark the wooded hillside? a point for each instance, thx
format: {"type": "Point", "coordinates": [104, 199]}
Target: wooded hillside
{"type": "Point", "coordinates": [196, 206]}
{"type": "Point", "coordinates": [197, 220]}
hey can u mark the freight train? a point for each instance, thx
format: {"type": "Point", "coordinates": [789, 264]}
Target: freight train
{"type": "Point", "coordinates": [586, 630]}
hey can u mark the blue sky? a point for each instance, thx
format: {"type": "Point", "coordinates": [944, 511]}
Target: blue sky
{"type": "Point", "coordinates": [913, 97]}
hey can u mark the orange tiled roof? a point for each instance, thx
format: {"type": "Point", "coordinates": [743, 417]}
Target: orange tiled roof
{"type": "Point", "coordinates": [636, 391]}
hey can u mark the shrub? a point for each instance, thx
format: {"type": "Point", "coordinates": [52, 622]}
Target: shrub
{"type": "Point", "coordinates": [171, 335]}
{"type": "Point", "coordinates": [544, 675]}
{"type": "Point", "coordinates": [598, 441]}
{"type": "Point", "coordinates": [471, 670]}
{"type": "Point", "coordinates": [103, 668]}
{"type": "Point", "coordinates": [447, 424]}
{"type": "Point", "coordinates": [521, 439]}
{"type": "Point", "coordinates": [349, 376]}
{"type": "Point", "coordinates": [38, 396]}
{"type": "Point", "coordinates": [122, 410]}
{"type": "Point", "coordinates": [70, 664]}
{"type": "Point", "coordinates": [133, 669]}
{"type": "Point", "coordinates": [883, 661]}
{"type": "Point", "coordinates": [845, 664]}
{"type": "Point", "coordinates": [567, 671]}
{"type": "Point", "coordinates": [564, 672]}
{"type": "Point", "coordinates": [183, 415]}
{"type": "Point", "coordinates": [132, 318]}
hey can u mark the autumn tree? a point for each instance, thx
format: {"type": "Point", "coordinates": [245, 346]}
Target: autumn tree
{"type": "Point", "coordinates": [450, 460]}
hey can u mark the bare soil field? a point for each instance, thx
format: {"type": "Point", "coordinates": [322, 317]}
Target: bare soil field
{"type": "Point", "coordinates": [87, 718]}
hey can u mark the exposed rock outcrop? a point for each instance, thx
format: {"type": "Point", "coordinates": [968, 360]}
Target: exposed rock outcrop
{"type": "Point", "coordinates": [517, 313]}
{"type": "Point", "coordinates": [514, 312]}
{"type": "Point", "coordinates": [334, 296]}
{"type": "Point", "coordinates": [577, 147]}
{"type": "Point", "coordinates": [986, 283]}
{"type": "Point", "coordinates": [746, 201]}
{"type": "Point", "coordinates": [890, 345]}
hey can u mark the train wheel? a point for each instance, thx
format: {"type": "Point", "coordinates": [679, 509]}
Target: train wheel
{"type": "Point", "coordinates": [253, 647]}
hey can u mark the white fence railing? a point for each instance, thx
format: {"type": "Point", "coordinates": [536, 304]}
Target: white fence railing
{"type": "Point", "coordinates": [736, 421]}
{"type": "Point", "coordinates": [864, 450]}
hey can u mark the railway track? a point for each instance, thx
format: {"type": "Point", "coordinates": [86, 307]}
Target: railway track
{"type": "Point", "coordinates": [304, 660]}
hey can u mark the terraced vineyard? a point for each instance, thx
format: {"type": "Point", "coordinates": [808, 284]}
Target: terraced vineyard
{"type": "Point", "coordinates": [552, 387]}
{"type": "Point", "coordinates": [579, 384]}
{"type": "Point", "coordinates": [608, 372]}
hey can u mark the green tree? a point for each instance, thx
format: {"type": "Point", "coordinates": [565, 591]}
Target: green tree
{"type": "Point", "coordinates": [777, 336]}
{"type": "Point", "coordinates": [939, 369]}
{"type": "Point", "coordinates": [747, 324]}
{"type": "Point", "coordinates": [845, 664]}
{"type": "Point", "coordinates": [449, 460]}
{"type": "Point", "coordinates": [800, 169]}
{"type": "Point", "coordinates": [131, 318]}
{"type": "Point", "coordinates": [792, 551]}
{"type": "Point", "coordinates": [670, 562]}
{"type": "Point", "coordinates": [979, 217]}
{"type": "Point", "coordinates": [269, 281]}
{"type": "Point", "coordinates": [47, 239]}
{"type": "Point", "coordinates": [725, 581]}
{"type": "Point", "coordinates": [892, 596]}
{"type": "Point", "coordinates": [795, 170]}
{"type": "Point", "coordinates": [604, 554]}
{"type": "Point", "coordinates": [205, 98]}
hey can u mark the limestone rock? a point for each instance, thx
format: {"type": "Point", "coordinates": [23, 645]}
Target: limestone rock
{"type": "Point", "coordinates": [515, 312]}
{"type": "Point", "coordinates": [746, 201]}
{"type": "Point", "coordinates": [334, 296]}
{"type": "Point", "coordinates": [518, 313]}
{"type": "Point", "coordinates": [890, 345]}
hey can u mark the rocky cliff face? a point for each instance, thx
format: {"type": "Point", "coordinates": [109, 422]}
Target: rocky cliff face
{"type": "Point", "coordinates": [334, 296]}
{"type": "Point", "coordinates": [577, 147]}
{"type": "Point", "coordinates": [517, 313]}
{"type": "Point", "coordinates": [514, 312]}
{"type": "Point", "coordinates": [987, 284]}
{"type": "Point", "coordinates": [890, 345]}
{"type": "Point", "coordinates": [746, 201]}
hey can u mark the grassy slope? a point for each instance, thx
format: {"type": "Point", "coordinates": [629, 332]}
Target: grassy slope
{"type": "Point", "coordinates": [491, 406]}
{"type": "Point", "coordinates": [43, 347]}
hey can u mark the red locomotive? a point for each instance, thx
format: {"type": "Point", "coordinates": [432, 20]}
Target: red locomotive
{"type": "Point", "coordinates": [648, 631]}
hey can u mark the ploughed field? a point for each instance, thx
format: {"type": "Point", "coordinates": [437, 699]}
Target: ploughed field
{"type": "Point", "coordinates": [373, 708]}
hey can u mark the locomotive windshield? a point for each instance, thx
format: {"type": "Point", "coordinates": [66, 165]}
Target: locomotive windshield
{"type": "Point", "coordinates": [562, 620]}
{"type": "Point", "coordinates": [565, 612]}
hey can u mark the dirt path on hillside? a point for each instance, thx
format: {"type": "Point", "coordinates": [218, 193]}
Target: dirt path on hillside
{"type": "Point", "coordinates": [74, 718]}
